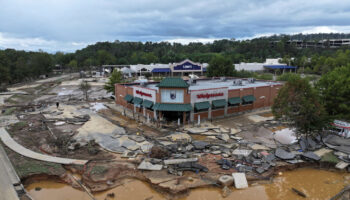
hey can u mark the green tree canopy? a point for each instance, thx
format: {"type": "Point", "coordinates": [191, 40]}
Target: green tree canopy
{"type": "Point", "coordinates": [335, 91]}
{"type": "Point", "coordinates": [116, 77]}
{"type": "Point", "coordinates": [298, 103]}
{"type": "Point", "coordinates": [73, 64]}
{"type": "Point", "coordinates": [221, 66]}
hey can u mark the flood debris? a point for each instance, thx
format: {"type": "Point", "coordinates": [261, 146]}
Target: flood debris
{"type": "Point", "coordinates": [226, 180]}
{"type": "Point", "coordinates": [179, 161]}
{"type": "Point", "coordinates": [146, 165]}
{"type": "Point", "coordinates": [311, 155]}
{"type": "Point", "coordinates": [240, 180]}
{"type": "Point", "coordinates": [298, 192]}
{"type": "Point", "coordinates": [282, 154]}
{"type": "Point", "coordinates": [341, 165]}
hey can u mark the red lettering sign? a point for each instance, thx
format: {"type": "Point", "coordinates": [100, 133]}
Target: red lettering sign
{"type": "Point", "coordinates": [207, 96]}
{"type": "Point", "coordinates": [143, 94]}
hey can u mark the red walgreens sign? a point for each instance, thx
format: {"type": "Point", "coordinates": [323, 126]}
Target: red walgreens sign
{"type": "Point", "coordinates": [207, 96]}
{"type": "Point", "coordinates": [143, 94]}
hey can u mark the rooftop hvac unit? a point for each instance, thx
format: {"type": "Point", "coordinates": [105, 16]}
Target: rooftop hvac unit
{"type": "Point", "coordinates": [143, 83]}
{"type": "Point", "coordinates": [251, 80]}
{"type": "Point", "coordinates": [223, 79]}
{"type": "Point", "coordinates": [237, 82]}
{"type": "Point", "coordinates": [192, 81]}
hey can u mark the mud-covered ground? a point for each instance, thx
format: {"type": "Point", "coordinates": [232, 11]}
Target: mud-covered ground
{"type": "Point", "coordinates": [94, 131]}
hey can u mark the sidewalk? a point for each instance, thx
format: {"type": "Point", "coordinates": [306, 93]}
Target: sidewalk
{"type": "Point", "coordinates": [7, 178]}
{"type": "Point", "coordinates": [12, 144]}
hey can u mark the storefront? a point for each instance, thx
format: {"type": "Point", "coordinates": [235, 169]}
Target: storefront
{"type": "Point", "coordinates": [173, 99]}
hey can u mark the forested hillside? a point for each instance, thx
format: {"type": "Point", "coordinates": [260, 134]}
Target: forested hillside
{"type": "Point", "coordinates": [17, 66]}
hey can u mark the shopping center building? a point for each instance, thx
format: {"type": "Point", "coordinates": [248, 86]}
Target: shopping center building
{"type": "Point", "coordinates": [174, 99]}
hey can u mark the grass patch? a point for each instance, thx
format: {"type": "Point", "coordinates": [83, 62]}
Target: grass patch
{"type": "Point", "coordinates": [97, 169]}
{"type": "Point", "coordinates": [330, 157]}
{"type": "Point", "coordinates": [30, 168]}
{"type": "Point", "coordinates": [10, 111]}
{"type": "Point", "coordinates": [19, 125]}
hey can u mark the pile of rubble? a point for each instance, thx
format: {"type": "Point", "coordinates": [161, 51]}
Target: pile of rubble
{"type": "Point", "coordinates": [228, 153]}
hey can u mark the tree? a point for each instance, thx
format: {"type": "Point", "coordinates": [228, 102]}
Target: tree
{"type": "Point", "coordinates": [335, 92]}
{"type": "Point", "coordinates": [105, 58]}
{"type": "Point", "coordinates": [73, 64]}
{"type": "Point", "coordinates": [298, 103]}
{"type": "Point", "coordinates": [220, 66]}
{"type": "Point", "coordinates": [116, 77]}
{"type": "Point", "coordinates": [85, 87]}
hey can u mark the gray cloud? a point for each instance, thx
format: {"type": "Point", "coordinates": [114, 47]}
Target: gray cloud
{"type": "Point", "coordinates": [58, 24]}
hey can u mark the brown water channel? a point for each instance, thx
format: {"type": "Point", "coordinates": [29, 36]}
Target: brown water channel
{"type": "Point", "coordinates": [316, 184]}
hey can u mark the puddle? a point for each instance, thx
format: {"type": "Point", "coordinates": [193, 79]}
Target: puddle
{"type": "Point", "coordinates": [316, 184]}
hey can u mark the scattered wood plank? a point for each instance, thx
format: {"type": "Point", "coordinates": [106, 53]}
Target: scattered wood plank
{"type": "Point", "coordinates": [298, 192]}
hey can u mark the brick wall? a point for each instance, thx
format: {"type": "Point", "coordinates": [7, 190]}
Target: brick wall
{"type": "Point", "coordinates": [232, 109]}
{"type": "Point", "coordinates": [204, 115]}
{"type": "Point", "coordinates": [217, 113]}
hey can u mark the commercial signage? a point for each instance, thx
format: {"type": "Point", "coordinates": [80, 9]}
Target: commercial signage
{"type": "Point", "coordinates": [145, 93]}
{"type": "Point", "coordinates": [187, 66]}
{"type": "Point", "coordinates": [207, 95]}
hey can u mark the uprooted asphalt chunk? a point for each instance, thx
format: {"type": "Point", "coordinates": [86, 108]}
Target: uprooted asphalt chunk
{"type": "Point", "coordinates": [159, 152]}
{"type": "Point", "coordinates": [191, 166]}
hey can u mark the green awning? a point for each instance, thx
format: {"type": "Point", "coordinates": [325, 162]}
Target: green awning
{"type": "Point", "coordinates": [249, 98]}
{"type": "Point", "coordinates": [219, 103]}
{"type": "Point", "coordinates": [202, 105]}
{"type": "Point", "coordinates": [137, 101]}
{"type": "Point", "coordinates": [172, 107]}
{"type": "Point", "coordinates": [147, 103]}
{"type": "Point", "coordinates": [234, 100]}
{"type": "Point", "coordinates": [128, 98]}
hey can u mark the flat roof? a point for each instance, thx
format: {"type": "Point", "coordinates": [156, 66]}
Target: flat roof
{"type": "Point", "coordinates": [202, 84]}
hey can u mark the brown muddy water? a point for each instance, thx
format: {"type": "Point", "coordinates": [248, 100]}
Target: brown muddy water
{"type": "Point", "coordinates": [316, 184]}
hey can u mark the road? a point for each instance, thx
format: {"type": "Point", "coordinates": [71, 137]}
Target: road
{"type": "Point", "coordinates": [7, 191]}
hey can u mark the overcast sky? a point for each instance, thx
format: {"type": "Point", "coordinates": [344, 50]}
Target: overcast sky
{"type": "Point", "coordinates": [67, 25]}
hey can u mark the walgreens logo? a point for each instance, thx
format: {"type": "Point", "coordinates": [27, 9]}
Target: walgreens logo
{"type": "Point", "coordinates": [207, 96]}
{"type": "Point", "coordinates": [143, 94]}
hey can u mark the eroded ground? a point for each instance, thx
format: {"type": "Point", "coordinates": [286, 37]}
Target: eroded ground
{"type": "Point", "coordinates": [170, 160]}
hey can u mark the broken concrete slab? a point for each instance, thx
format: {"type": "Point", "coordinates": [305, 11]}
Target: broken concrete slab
{"type": "Point", "coordinates": [285, 136]}
{"type": "Point", "coordinates": [145, 165]}
{"type": "Point", "coordinates": [136, 138]}
{"type": "Point", "coordinates": [280, 153]}
{"type": "Point", "coordinates": [236, 137]}
{"type": "Point", "coordinates": [243, 152]}
{"type": "Point", "coordinates": [322, 152]}
{"type": "Point", "coordinates": [176, 137]}
{"type": "Point", "coordinates": [225, 137]}
{"type": "Point", "coordinates": [226, 180]}
{"type": "Point", "coordinates": [235, 131]}
{"type": "Point", "coordinates": [338, 143]}
{"type": "Point", "coordinates": [259, 147]}
{"type": "Point", "coordinates": [59, 123]}
{"type": "Point", "coordinates": [311, 155]}
{"type": "Point", "coordinates": [200, 145]}
{"type": "Point", "coordinates": [210, 133]}
{"type": "Point", "coordinates": [197, 130]}
{"type": "Point", "coordinates": [129, 154]}
{"type": "Point", "coordinates": [224, 130]}
{"type": "Point", "coordinates": [191, 166]}
{"type": "Point", "coordinates": [146, 146]}
{"type": "Point", "coordinates": [341, 165]}
{"type": "Point", "coordinates": [240, 180]}
{"type": "Point", "coordinates": [178, 161]}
